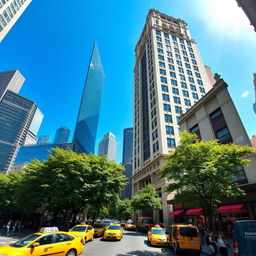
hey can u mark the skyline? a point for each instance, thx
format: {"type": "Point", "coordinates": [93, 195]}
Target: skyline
{"type": "Point", "coordinates": [68, 63]}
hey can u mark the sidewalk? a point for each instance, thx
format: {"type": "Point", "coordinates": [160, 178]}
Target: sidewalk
{"type": "Point", "coordinates": [207, 251]}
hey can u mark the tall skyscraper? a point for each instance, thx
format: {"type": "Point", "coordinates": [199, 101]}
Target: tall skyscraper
{"type": "Point", "coordinates": [62, 135]}
{"type": "Point", "coordinates": [88, 115]}
{"type": "Point", "coordinates": [254, 82]}
{"type": "Point", "coordinates": [16, 116]}
{"type": "Point", "coordinates": [127, 145]}
{"type": "Point", "coordinates": [108, 147]}
{"type": "Point", "coordinates": [10, 80]}
{"type": "Point", "coordinates": [10, 11]}
{"type": "Point", "coordinates": [170, 77]}
{"type": "Point", "coordinates": [43, 139]}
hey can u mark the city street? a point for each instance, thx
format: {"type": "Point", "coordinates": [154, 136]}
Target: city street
{"type": "Point", "coordinates": [132, 243]}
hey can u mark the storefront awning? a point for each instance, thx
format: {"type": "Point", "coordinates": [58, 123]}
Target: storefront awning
{"type": "Point", "coordinates": [196, 211]}
{"type": "Point", "coordinates": [175, 213]}
{"type": "Point", "coordinates": [234, 208]}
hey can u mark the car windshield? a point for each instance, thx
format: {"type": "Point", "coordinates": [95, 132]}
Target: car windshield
{"type": "Point", "coordinates": [158, 232]}
{"type": "Point", "coordinates": [189, 232]}
{"type": "Point", "coordinates": [114, 227]}
{"type": "Point", "coordinates": [130, 222]}
{"type": "Point", "coordinates": [98, 226]}
{"type": "Point", "coordinates": [78, 229]}
{"type": "Point", "coordinates": [146, 221]}
{"type": "Point", "coordinates": [24, 241]}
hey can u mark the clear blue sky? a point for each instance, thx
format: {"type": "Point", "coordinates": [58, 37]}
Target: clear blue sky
{"type": "Point", "coordinates": [52, 42]}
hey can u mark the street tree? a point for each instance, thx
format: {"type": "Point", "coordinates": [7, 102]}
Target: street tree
{"type": "Point", "coordinates": [202, 172]}
{"type": "Point", "coordinates": [124, 209]}
{"type": "Point", "coordinates": [147, 200]}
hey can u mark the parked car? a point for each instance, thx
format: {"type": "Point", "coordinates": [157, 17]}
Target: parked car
{"type": "Point", "coordinates": [144, 224]}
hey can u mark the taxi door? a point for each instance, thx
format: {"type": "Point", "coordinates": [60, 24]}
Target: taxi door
{"type": "Point", "coordinates": [90, 231]}
{"type": "Point", "coordinates": [45, 247]}
{"type": "Point", "coordinates": [62, 244]}
{"type": "Point", "coordinates": [150, 235]}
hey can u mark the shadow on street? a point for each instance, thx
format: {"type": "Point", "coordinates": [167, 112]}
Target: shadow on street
{"type": "Point", "coordinates": [164, 251]}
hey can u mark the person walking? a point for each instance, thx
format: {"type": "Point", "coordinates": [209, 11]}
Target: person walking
{"type": "Point", "coordinates": [210, 241]}
{"type": "Point", "coordinates": [8, 227]}
{"type": "Point", "coordinates": [222, 245]}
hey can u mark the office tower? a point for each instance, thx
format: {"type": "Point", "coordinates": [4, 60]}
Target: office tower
{"type": "Point", "coordinates": [254, 82]}
{"type": "Point", "coordinates": [16, 116]}
{"type": "Point", "coordinates": [108, 147]}
{"type": "Point", "coordinates": [10, 80]}
{"type": "Point", "coordinates": [249, 8]}
{"type": "Point", "coordinates": [127, 161]}
{"type": "Point", "coordinates": [127, 145]}
{"type": "Point", "coordinates": [253, 141]}
{"type": "Point", "coordinates": [169, 77]}
{"type": "Point", "coordinates": [88, 115]}
{"type": "Point", "coordinates": [43, 139]}
{"type": "Point", "coordinates": [10, 11]}
{"type": "Point", "coordinates": [62, 135]}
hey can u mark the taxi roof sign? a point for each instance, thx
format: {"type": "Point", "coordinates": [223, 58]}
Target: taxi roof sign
{"type": "Point", "coordinates": [48, 229]}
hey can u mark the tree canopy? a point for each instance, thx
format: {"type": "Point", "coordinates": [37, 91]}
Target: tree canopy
{"type": "Point", "coordinates": [201, 171]}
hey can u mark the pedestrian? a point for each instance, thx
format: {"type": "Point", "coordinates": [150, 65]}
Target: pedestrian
{"type": "Point", "coordinates": [211, 243]}
{"type": "Point", "coordinates": [8, 227]}
{"type": "Point", "coordinates": [202, 232]}
{"type": "Point", "coordinates": [222, 245]}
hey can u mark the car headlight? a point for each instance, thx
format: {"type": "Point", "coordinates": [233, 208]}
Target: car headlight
{"type": "Point", "coordinates": [155, 239]}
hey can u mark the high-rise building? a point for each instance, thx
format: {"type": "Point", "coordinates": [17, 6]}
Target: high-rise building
{"type": "Point", "coordinates": [127, 145]}
{"type": "Point", "coordinates": [249, 8]}
{"type": "Point", "coordinates": [10, 80]}
{"type": "Point", "coordinates": [108, 147]}
{"type": "Point", "coordinates": [16, 116]}
{"type": "Point", "coordinates": [254, 82]}
{"type": "Point", "coordinates": [62, 135]}
{"type": "Point", "coordinates": [88, 115]}
{"type": "Point", "coordinates": [253, 141]}
{"type": "Point", "coordinates": [10, 11]}
{"type": "Point", "coordinates": [169, 77]}
{"type": "Point", "coordinates": [43, 139]}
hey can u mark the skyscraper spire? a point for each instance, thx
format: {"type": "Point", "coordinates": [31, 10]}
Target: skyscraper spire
{"type": "Point", "coordinates": [88, 115]}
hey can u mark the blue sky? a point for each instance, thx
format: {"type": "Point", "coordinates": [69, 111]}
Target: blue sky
{"type": "Point", "coordinates": [52, 42]}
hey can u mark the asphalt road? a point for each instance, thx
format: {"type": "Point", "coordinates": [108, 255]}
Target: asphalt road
{"type": "Point", "coordinates": [132, 244]}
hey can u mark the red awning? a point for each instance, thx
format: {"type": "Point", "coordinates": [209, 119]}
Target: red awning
{"type": "Point", "coordinates": [196, 211]}
{"type": "Point", "coordinates": [234, 208]}
{"type": "Point", "coordinates": [175, 213]}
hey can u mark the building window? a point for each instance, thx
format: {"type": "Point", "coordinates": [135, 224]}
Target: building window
{"type": "Point", "coordinates": [223, 135]}
{"type": "Point", "coordinates": [168, 118]}
{"type": "Point", "coordinates": [159, 45]}
{"type": "Point", "coordinates": [154, 134]}
{"type": "Point", "coordinates": [193, 87]}
{"type": "Point", "coordinates": [166, 97]}
{"type": "Point", "coordinates": [158, 32]}
{"type": "Point", "coordinates": [187, 102]}
{"type": "Point", "coordinates": [164, 88]}
{"type": "Point", "coordinates": [198, 75]}
{"type": "Point", "coordinates": [180, 70]}
{"type": "Point", "coordinates": [195, 68]}
{"type": "Point", "coordinates": [155, 146]}
{"type": "Point", "coordinates": [160, 57]}
{"type": "Point", "coordinates": [167, 41]}
{"type": "Point", "coordinates": [178, 56]}
{"type": "Point", "coordinates": [195, 95]}
{"type": "Point", "coordinates": [160, 51]}
{"type": "Point", "coordinates": [171, 67]}
{"type": "Point", "coordinates": [161, 64]}
{"type": "Point", "coordinates": [154, 124]}
{"type": "Point", "coordinates": [172, 74]}
{"type": "Point", "coordinates": [174, 38]}
{"type": "Point", "coordinates": [191, 79]}
{"type": "Point", "coordinates": [169, 130]}
{"type": "Point", "coordinates": [178, 119]}
{"type": "Point", "coordinates": [167, 107]}
{"type": "Point", "coordinates": [171, 143]}
{"type": "Point", "coordinates": [174, 82]}
{"type": "Point", "coordinates": [175, 91]}
{"type": "Point", "coordinates": [239, 175]}
{"type": "Point", "coordinates": [179, 63]}
{"type": "Point", "coordinates": [166, 35]}
{"type": "Point", "coordinates": [187, 65]}
{"type": "Point", "coordinates": [183, 46]}
{"type": "Point", "coordinates": [190, 49]}
{"type": "Point", "coordinates": [184, 53]}
{"type": "Point", "coordinates": [202, 90]}
{"type": "Point", "coordinates": [153, 112]}
{"type": "Point", "coordinates": [188, 43]}
{"type": "Point", "coordinates": [182, 77]}
{"type": "Point", "coordinates": [178, 110]}
{"type": "Point", "coordinates": [192, 55]}
{"type": "Point", "coordinates": [181, 41]}
{"type": "Point", "coordinates": [185, 93]}
{"type": "Point", "coordinates": [194, 62]}
{"type": "Point", "coordinates": [163, 79]}
{"type": "Point", "coordinates": [2, 21]}
{"type": "Point", "coordinates": [176, 100]}
{"type": "Point", "coordinates": [184, 85]}
{"type": "Point", "coordinates": [162, 72]}
{"type": "Point", "coordinates": [175, 44]}
{"type": "Point", "coordinates": [176, 50]}
{"type": "Point", "coordinates": [195, 129]}
{"type": "Point", "coordinates": [170, 60]}
{"type": "Point", "coordinates": [186, 59]}
{"type": "Point", "coordinates": [199, 82]}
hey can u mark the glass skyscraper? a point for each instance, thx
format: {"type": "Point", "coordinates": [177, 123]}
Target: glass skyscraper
{"type": "Point", "coordinates": [62, 135]}
{"type": "Point", "coordinates": [127, 145]}
{"type": "Point", "coordinates": [108, 147]}
{"type": "Point", "coordinates": [88, 115]}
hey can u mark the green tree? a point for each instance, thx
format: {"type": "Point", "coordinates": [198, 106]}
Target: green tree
{"type": "Point", "coordinates": [201, 172]}
{"type": "Point", "coordinates": [124, 209]}
{"type": "Point", "coordinates": [147, 200]}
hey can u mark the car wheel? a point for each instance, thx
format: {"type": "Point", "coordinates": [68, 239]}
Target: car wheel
{"type": "Point", "coordinates": [91, 239]}
{"type": "Point", "coordinates": [71, 252]}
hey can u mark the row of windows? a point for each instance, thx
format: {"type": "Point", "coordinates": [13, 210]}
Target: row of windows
{"type": "Point", "coordinates": [9, 12]}
{"type": "Point", "coordinates": [184, 86]}
{"type": "Point", "coordinates": [170, 144]}
{"type": "Point", "coordinates": [181, 70]}
{"type": "Point", "coordinates": [182, 78]}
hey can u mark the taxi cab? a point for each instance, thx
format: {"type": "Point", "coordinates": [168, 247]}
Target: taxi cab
{"type": "Point", "coordinates": [99, 229]}
{"type": "Point", "coordinates": [157, 236]}
{"type": "Point", "coordinates": [114, 231]}
{"type": "Point", "coordinates": [50, 243]}
{"type": "Point", "coordinates": [84, 232]}
{"type": "Point", "coordinates": [130, 225]}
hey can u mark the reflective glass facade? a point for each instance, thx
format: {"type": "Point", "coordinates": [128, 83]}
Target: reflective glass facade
{"type": "Point", "coordinates": [62, 135]}
{"type": "Point", "coordinates": [36, 122]}
{"type": "Point", "coordinates": [127, 145]}
{"type": "Point", "coordinates": [88, 116]}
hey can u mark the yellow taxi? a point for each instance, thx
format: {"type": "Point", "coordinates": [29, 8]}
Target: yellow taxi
{"type": "Point", "coordinates": [99, 229]}
{"type": "Point", "coordinates": [130, 225]}
{"type": "Point", "coordinates": [157, 236]}
{"type": "Point", "coordinates": [52, 243]}
{"type": "Point", "coordinates": [85, 232]}
{"type": "Point", "coordinates": [114, 231]}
